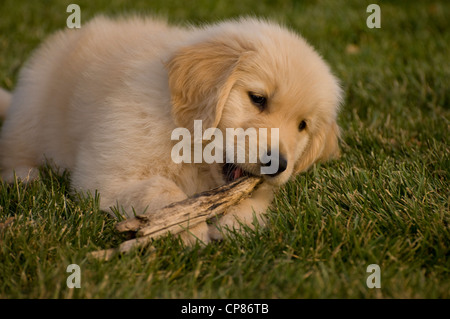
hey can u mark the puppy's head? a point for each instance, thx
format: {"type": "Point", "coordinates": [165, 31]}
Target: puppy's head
{"type": "Point", "coordinates": [252, 74]}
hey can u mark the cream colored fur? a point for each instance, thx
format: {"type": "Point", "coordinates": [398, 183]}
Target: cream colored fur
{"type": "Point", "coordinates": [102, 101]}
{"type": "Point", "coordinates": [5, 99]}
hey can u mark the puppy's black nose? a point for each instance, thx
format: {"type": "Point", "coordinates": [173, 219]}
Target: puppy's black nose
{"type": "Point", "coordinates": [282, 164]}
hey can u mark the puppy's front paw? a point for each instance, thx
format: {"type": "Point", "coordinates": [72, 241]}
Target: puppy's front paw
{"type": "Point", "coordinates": [231, 222]}
{"type": "Point", "coordinates": [199, 233]}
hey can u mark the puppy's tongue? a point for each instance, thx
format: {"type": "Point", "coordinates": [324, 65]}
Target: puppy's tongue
{"type": "Point", "coordinates": [237, 173]}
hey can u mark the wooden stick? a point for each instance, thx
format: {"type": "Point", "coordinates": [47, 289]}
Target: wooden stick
{"type": "Point", "coordinates": [191, 211]}
{"type": "Point", "coordinates": [180, 216]}
{"type": "Point", "coordinates": [126, 246]}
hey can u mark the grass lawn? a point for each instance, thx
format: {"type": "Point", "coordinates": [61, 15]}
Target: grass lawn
{"type": "Point", "coordinates": [385, 202]}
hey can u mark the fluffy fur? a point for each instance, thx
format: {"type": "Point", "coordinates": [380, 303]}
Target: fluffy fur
{"type": "Point", "coordinates": [103, 100]}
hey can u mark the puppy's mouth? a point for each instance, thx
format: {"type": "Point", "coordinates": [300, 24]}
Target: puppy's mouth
{"type": "Point", "coordinates": [232, 172]}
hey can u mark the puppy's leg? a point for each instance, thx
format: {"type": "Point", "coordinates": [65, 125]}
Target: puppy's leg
{"type": "Point", "coordinates": [143, 195]}
{"type": "Point", "coordinates": [18, 156]}
{"type": "Point", "coordinates": [244, 212]}
{"type": "Point", "coordinates": [149, 195]}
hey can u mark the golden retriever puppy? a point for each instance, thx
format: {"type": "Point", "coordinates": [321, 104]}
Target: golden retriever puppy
{"type": "Point", "coordinates": [103, 101]}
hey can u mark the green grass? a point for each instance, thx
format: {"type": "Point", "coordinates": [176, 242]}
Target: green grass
{"type": "Point", "coordinates": [385, 202]}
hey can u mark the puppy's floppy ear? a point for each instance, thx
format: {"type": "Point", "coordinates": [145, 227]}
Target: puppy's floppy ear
{"type": "Point", "coordinates": [200, 79]}
{"type": "Point", "coordinates": [322, 147]}
{"type": "Point", "coordinates": [331, 144]}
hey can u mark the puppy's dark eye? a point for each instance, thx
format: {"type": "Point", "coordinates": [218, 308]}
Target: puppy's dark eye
{"type": "Point", "coordinates": [259, 100]}
{"type": "Point", "coordinates": [302, 126]}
